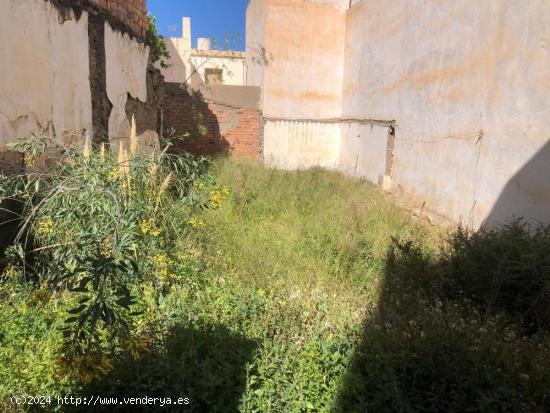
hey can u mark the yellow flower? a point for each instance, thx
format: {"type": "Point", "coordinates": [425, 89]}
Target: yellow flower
{"type": "Point", "coordinates": [261, 292]}
{"type": "Point", "coordinates": [107, 247]}
{"type": "Point", "coordinates": [113, 174]}
{"type": "Point", "coordinates": [45, 226]}
{"type": "Point", "coordinates": [162, 265]}
{"type": "Point", "coordinates": [138, 345]}
{"type": "Point", "coordinates": [196, 223]}
{"type": "Point", "coordinates": [218, 196]}
{"type": "Point", "coordinates": [29, 160]}
{"type": "Point", "coordinates": [40, 296]}
{"type": "Point", "coordinates": [10, 272]}
{"type": "Point", "coordinates": [160, 260]}
{"type": "Point", "coordinates": [149, 227]}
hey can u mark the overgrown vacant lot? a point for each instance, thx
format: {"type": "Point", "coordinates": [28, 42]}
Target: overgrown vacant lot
{"type": "Point", "coordinates": [302, 291]}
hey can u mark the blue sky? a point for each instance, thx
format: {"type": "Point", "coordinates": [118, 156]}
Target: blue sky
{"type": "Point", "coordinates": [209, 18]}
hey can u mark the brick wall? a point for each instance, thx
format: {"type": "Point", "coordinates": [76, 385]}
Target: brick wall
{"type": "Point", "coordinates": [212, 128]}
{"type": "Point", "coordinates": [132, 13]}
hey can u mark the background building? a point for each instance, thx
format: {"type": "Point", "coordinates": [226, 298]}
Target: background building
{"type": "Point", "coordinates": [204, 64]}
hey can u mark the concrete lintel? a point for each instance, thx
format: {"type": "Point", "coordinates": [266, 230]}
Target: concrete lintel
{"type": "Point", "coordinates": [375, 122]}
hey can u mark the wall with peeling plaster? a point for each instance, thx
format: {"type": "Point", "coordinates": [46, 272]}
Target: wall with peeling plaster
{"type": "Point", "coordinates": [69, 68]}
{"type": "Point", "coordinates": [126, 68]}
{"type": "Point", "coordinates": [466, 84]}
{"type": "Point", "coordinates": [44, 75]}
{"type": "Point", "coordinates": [301, 144]}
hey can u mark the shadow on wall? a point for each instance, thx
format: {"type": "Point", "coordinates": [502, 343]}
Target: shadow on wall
{"type": "Point", "coordinates": [206, 365]}
{"type": "Point", "coordinates": [527, 194]}
{"type": "Point", "coordinates": [196, 127]}
{"type": "Point", "coordinates": [462, 331]}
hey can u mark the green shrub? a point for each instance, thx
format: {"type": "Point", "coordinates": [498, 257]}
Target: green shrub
{"type": "Point", "coordinates": [453, 330]}
{"type": "Point", "coordinates": [99, 228]}
{"type": "Point", "coordinates": [503, 269]}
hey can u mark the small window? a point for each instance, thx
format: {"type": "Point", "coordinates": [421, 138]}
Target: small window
{"type": "Point", "coordinates": [213, 76]}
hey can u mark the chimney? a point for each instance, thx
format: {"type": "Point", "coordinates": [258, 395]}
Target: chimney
{"type": "Point", "coordinates": [186, 31]}
{"type": "Point", "coordinates": [203, 43]}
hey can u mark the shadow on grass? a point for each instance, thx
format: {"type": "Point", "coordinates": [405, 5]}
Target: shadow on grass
{"type": "Point", "coordinates": [207, 366]}
{"type": "Point", "coordinates": [463, 330]}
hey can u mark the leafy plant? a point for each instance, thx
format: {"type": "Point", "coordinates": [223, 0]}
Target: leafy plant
{"type": "Point", "coordinates": [91, 226]}
{"type": "Point", "coordinates": [159, 50]}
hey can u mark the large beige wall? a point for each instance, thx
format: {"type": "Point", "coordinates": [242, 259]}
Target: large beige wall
{"type": "Point", "coordinates": [44, 71]}
{"type": "Point", "coordinates": [304, 78]}
{"type": "Point", "coordinates": [467, 83]}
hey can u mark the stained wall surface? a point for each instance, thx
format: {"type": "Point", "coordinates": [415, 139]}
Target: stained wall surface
{"type": "Point", "coordinates": [44, 75]}
{"type": "Point", "coordinates": [63, 63]}
{"type": "Point", "coordinates": [126, 70]}
{"type": "Point", "coordinates": [302, 80]}
{"type": "Point", "coordinates": [466, 84]}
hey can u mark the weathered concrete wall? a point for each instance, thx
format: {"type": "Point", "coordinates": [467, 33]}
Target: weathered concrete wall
{"type": "Point", "coordinates": [255, 42]}
{"type": "Point", "coordinates": [363, 150]}
{"type": "Point", "coordinates": [44, 74]}
{"type": "Point", "coordinates": [467, 83]}
{"type": "Point", "coordinates": [69, 68]}
{"type": "Point", "coordinates": [304, 78]}
{"type": "Point", "coordinates": [301, 144]}
{"type": "Point", "coordinates": [230, 95]}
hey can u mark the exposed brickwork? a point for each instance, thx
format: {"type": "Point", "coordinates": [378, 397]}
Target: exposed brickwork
{"type": "Point", "coordinates": [213, 128]}
{"type": "Point", "coordinates": [132, 13]}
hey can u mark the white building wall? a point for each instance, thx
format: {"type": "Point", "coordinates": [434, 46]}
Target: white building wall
{"type": "Point", "coordinates": [233, 68]}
